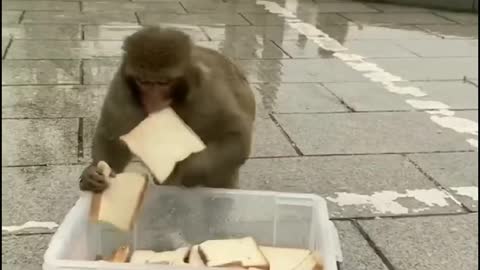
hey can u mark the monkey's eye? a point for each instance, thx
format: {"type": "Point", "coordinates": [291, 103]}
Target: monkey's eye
{"type": "Point", "coordinates": [164, 82]}
{"type": "Point", "coordinates": [146, 83]}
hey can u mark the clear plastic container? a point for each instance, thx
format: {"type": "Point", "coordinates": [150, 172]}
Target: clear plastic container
{"type": "Point", "coordinates": [171, 214]}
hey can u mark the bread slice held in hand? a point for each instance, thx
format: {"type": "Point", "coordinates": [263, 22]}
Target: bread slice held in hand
{"type": "Point", "coordinates": [242, 252]}
{"type": "Point", "coordinates": [119, 203]}
{"type": "Point", "coordinates": [162, 140]}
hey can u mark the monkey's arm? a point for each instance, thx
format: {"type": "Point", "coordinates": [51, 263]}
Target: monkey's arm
{"type": "Point", "coordinates": [110, 150]}
{"type": "Point", "coordinates": [118, 116]}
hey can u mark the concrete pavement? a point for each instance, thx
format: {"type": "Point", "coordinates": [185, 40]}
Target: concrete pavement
{"type": "Point", "coordinates": [372, 106]}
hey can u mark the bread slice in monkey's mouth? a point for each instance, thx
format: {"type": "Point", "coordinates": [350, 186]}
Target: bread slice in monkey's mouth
{"type": "Point", "coordinates": [161, 140]}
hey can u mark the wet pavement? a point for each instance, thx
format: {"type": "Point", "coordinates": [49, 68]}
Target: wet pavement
{"type": "Point", "coordinates": [372, 106]}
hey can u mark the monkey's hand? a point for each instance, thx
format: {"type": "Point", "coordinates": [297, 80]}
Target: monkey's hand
{"type": "Point", "coordinates": [93, 180]}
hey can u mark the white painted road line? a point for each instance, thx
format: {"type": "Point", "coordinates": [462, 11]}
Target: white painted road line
{"type": "Point", "coordinates": [31, 225]}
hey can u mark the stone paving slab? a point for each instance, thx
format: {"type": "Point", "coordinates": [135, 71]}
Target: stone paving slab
{"type": "Point", "coordinates": [16, 72]}
{"type": "Point", "coordinates": [357, 254]}
{"type": "Point", "coordinates": [271, 19]}
{"type": "Point", "coordinates": [239, 33]}
{"type": "Point", "coordinates": [426, 243]}
{"type": "Point", "coordinates": [352, 133]}
{"type": "Point", "coordinates": [11, 16]}
{"type": "Point", "coordinates": [457, 95]}
{"type": "Point", "coordinates": [441, 48]}
{"type": "Point", "coordinates": [24, 249]}
{"type": "Point", "coordinates": [37, 142]}
{"type": "Point", "coordinates": [452, 31]}
{"type": "Point", "coordinates": [299, 71]}
{"type": "Point", "coordinates": [162, 7]}
{"type": "Point", "coordinates": [51, 192]}
{"type": "Point", "coordinates": [368, 97]}
{"type": "Point", "coordinates": [192, 19]}
{"type": "Point", "coordinates": [397, 8]}
{"type": "Point", "coordinates": [365, 48]}
{"type": "Point", "coordinates": [41, 5]}
{"type": "Point", "coordinates": [374, 96]}
{"type": "Point", "coordinates": [53, 49]}
{"type": "Point", "coordinates": [460, 17]}
{"type": "Point", "coordinates": [269, 141]}
{"type": "Point", "coordinates": [120, 32]}
{"type": "Point", "coordinates": [21, 267]}
{"type": "Point", "coordinates": [377, 32]}
{"type": "Point", "coordinates": [99, 71]}
{"type": "Point", "coordinates": [58, 17]}
{"type": "Point", "coordinates": [354, 186]}
{"type": "Point", "coordinates": [396, 18]}
{"type": "Point", "coordinates": [468, 114]}
{"type": "Point", "coordinates": [296, 98]}
{"type": "Point", "coordinates": [339, 7]}
{"type": "Point", "coordinates": [42, 31]}
{"type": "Point", "coordinates": [431, 68]}
{"type": "Point", "coordinates": [221, 7]}
{"type": "Point", "coordinates": [246, 49]}
{"type": "Point", "coordinates": [458, 172]}
{"type": "Point", "coordinates": [52, 101]}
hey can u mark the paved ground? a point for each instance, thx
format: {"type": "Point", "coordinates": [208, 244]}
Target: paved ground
{"type": "Point", "coordinates": [372, 106]}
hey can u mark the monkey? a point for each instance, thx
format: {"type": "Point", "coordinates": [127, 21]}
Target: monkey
{"type": "Point", "coordinates": [162, 67]}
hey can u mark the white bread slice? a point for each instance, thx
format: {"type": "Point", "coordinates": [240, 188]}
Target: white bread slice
{"type": "Point", "coordinates": [284, 258]}
{"type": "Point", "coordinates": [310, 263]}
{"type": "Point", "coordinates": [290, 259]}
{"type": "Point", "coordinates": [242, 252]}
{"type": "Point", "coordinates": [162, 140]}
{"type": "Point", "coordinates": [194, 258]}
{"type": "Point", "coordinates": [141, 256]}
{"type": "Point", "coordinates": [175, 257]}
{"type": "Point", "coordinates": [120, 202]}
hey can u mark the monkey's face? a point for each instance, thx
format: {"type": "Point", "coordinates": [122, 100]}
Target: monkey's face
{"type": "Point", "coordinates": [157, 63]}
{"type": "Point", "coordinates": [155, 95]}
{"type": "Point", "coordinates": [156, 92]}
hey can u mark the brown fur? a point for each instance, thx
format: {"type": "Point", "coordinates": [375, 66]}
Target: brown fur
{"type": "Point", "coordinates": [212, 96]}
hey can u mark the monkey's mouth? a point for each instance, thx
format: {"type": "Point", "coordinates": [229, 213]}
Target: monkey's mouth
{"type": "Point", "coordinates": [155, 101]}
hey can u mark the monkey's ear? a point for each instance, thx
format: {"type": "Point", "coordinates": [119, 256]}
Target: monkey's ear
{"type": "Point", "coordinates": [199, 73]}
{"type": "Point", "coordinates": [126, 43]}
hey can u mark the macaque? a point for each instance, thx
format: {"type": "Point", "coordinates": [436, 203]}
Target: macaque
{"type": "Point", "coordinates": [160, 68]}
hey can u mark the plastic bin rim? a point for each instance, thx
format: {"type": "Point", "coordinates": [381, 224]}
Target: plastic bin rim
{"type": "Point", "coordinates": [312, 196]}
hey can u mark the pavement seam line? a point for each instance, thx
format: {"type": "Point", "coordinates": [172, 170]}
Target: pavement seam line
{"type": "Point", "coordinates": [436, 183]}
{"type": "Point", "coordinates": [280, 48]}
{"type": "Point", "coordinates": [80, 146]}
{"type": "Point", "coordinates": [245, 18]}
{"type": "Point", "coordinates": [292, 143]}
{"type": "Point", "coordinates": [342, 101]}
{"type": "Point", "coordinates": [443, 117]}
{"type": "Point", "coordinates": [184, 8]}
{"type": "Point", "coordinates": [376, 217]}
{"type": "Point", "coordinates": [10, 41]}
{"type": "Point", "coordinates": [20, 19]}
{"type": "Point", "coordinates": [374, 246]}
